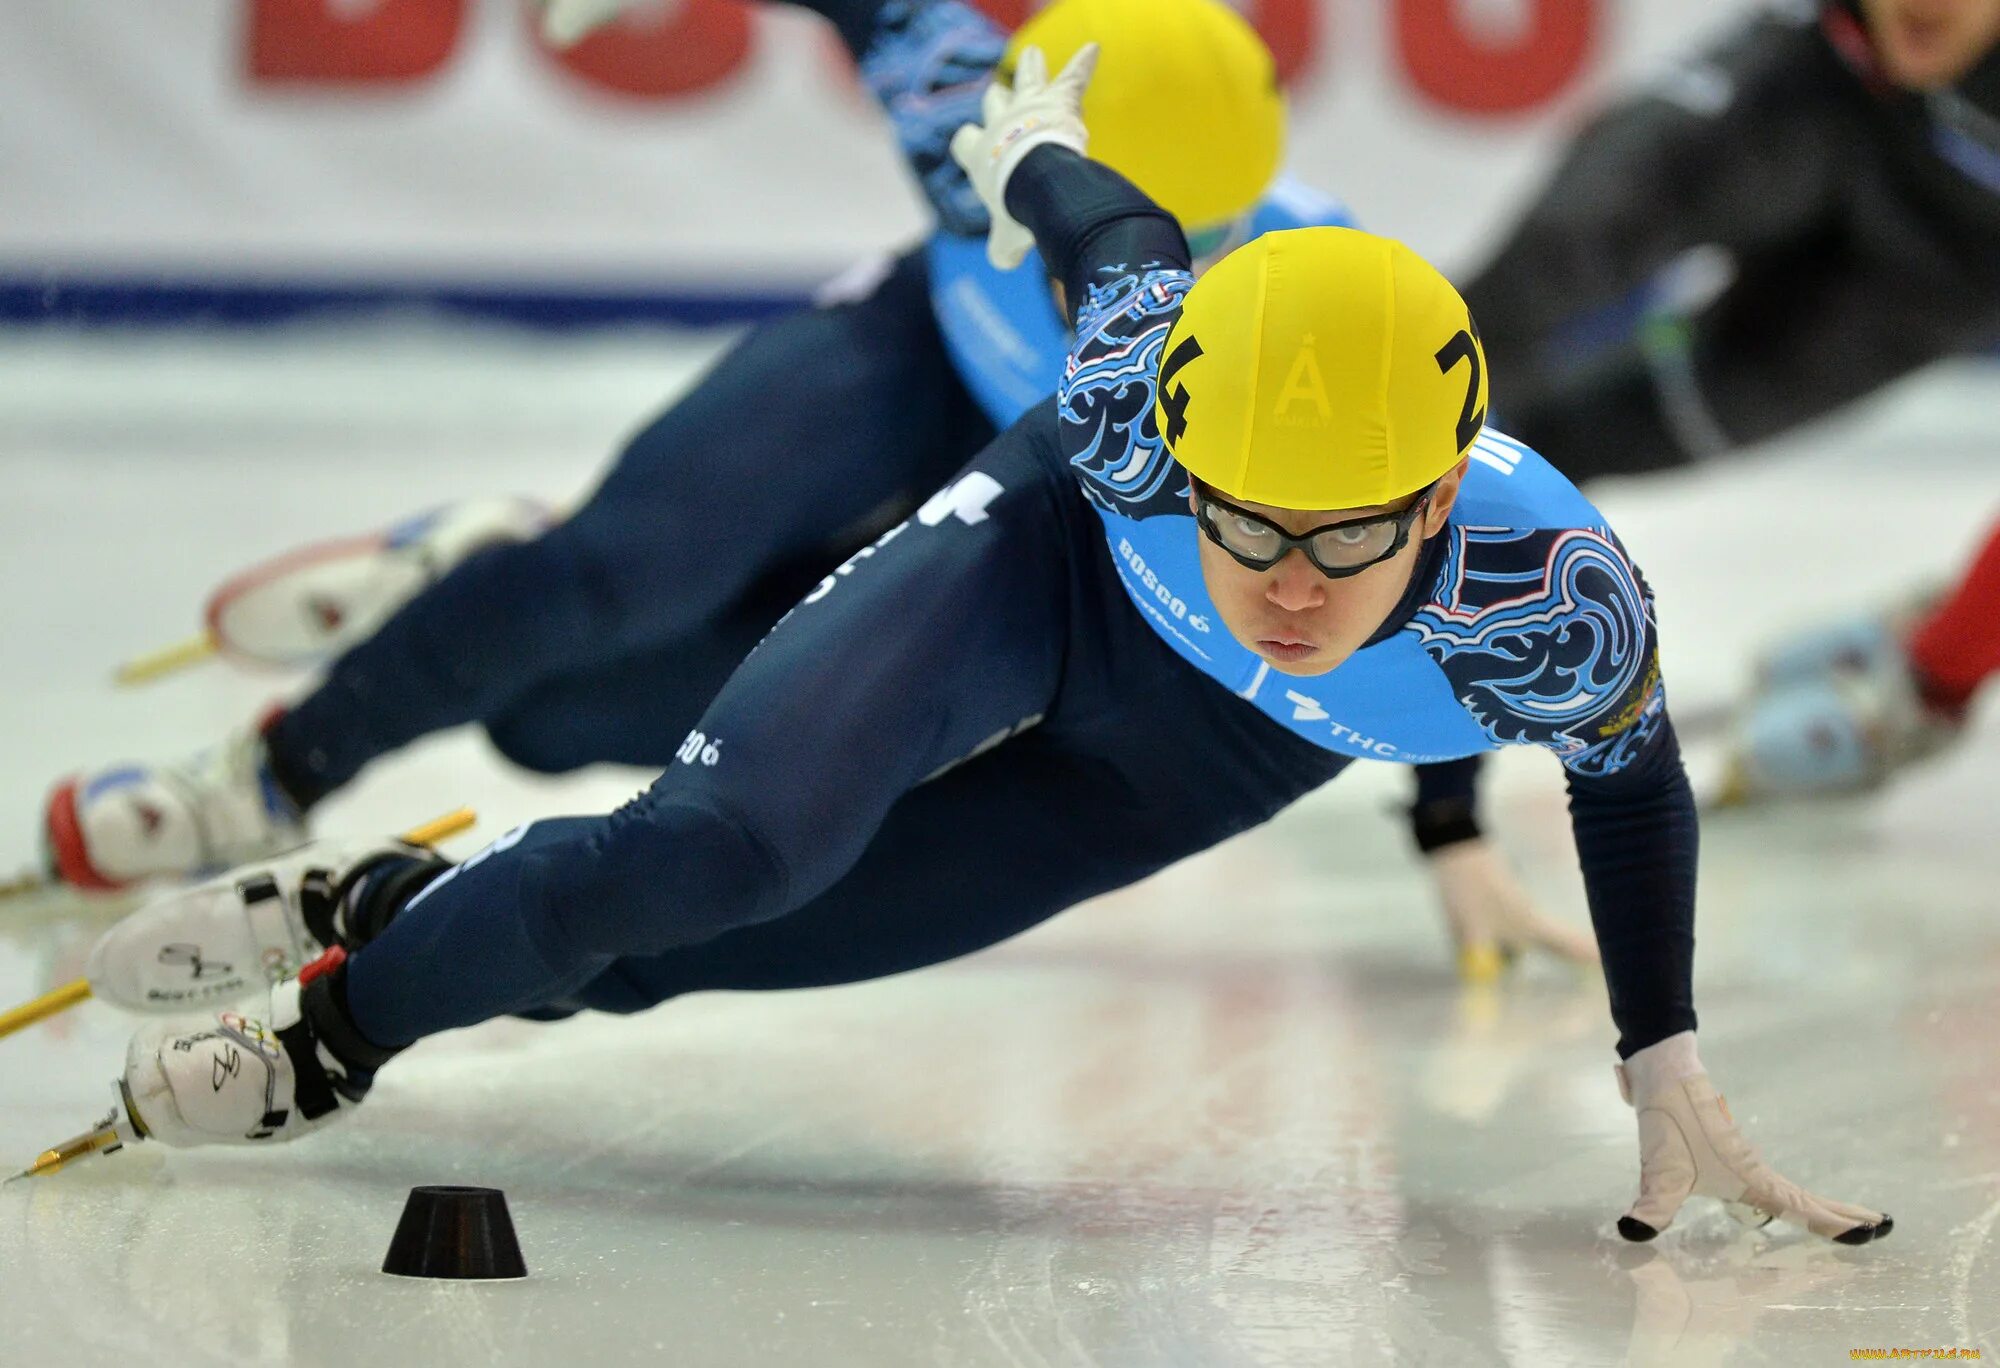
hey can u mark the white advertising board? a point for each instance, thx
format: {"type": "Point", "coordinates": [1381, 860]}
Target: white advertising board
{"type": "Point", "coordinates": [701, 147]}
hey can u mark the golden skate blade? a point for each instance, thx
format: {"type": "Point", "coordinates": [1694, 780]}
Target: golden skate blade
{"type": "Point", "coordinates": [104, 1140]}
{"type": "Point", "coordinates": [442, 828]}
{"type": "Point", "coordinates": [42, 1008]}
{"type": "Point", "coordinates": [28, 883]}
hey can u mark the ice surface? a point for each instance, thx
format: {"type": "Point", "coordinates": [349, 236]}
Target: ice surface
{"type": "Point", "coordinates": [1239, 1115]}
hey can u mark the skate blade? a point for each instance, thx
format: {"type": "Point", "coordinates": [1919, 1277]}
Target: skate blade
{"type": "Point", "coordinates": [108, 1136]}
{"type": "Point", "coordinates": [30, 883]}
{"type": "Point", "coordinates": [33, 899]}
{"type": "Point", "coordinates": [166, 661]}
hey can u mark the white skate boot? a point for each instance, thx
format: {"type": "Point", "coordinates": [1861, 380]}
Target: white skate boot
{"type": "Point", "coordinates": [131, 822]}
{"type": "Point", "coordinates": [1842, 728]}
{"type": "Point", "coordinates": [241, 1077]}
{"type": "Point", "coordinates": [315, 602]}
{"type": "Point", "coordinates": [249, 930]}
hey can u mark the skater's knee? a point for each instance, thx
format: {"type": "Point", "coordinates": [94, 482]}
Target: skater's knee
{"type": "Point", "coordinates": [672, 871]}
{"type": "Point", "coordinates": [537, 742]}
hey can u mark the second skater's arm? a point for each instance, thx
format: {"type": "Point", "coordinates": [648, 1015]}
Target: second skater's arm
{"type": "Point", "coordinates": [927, 62]}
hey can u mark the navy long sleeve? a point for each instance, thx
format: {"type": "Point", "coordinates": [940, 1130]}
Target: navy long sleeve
{"type": "Point", "coordinates": [1638, 842]}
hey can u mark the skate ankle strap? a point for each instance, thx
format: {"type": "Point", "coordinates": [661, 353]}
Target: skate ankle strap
{"type": "Point", "coordinates": [323, 1007]}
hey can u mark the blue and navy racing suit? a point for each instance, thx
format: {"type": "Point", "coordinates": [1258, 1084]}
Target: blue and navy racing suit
{"type": "Point", "coordinates": [1021, 697]}
{"type": "Point", "coordinates": [603, 640]}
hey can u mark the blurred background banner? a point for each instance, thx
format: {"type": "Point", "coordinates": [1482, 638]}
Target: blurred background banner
{"type": "Point", "coordinates": [702, 160]}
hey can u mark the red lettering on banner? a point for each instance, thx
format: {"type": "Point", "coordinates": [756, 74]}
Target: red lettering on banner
{"type": "Point", "coordinates": [1462, 71]}
{"type": "Point", "coordinates": [699, 45]}
{"type": "Point", "coordinates": [341, 42]}
{"type": "Point", "coordinates": [1292, 30]}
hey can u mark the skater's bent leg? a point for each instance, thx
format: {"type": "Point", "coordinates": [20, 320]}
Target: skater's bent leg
{"type": "Point", "coordinates": [634, 711]}
{"type": "Point", "coordinates": [802, 433]}
{"type": "Point", "coordinates": [963, 862]}
{"type": "Point", "coordinates": [947, 634]}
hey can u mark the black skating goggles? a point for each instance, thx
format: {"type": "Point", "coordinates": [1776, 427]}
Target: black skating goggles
{"type": "Point", "coordinates": [1337, 550]}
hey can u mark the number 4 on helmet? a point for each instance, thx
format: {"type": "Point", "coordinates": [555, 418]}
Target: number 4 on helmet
{"type": "Point", "coordinates": [301, 607]}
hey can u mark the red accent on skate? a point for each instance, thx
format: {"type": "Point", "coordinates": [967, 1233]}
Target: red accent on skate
{"type": "Point", "coordinates": [322, 966]}
{"type": "Point", "coordinates": [328, 613]}
{"type": "Point", "coordinates": [1957, 648]}
{"type": "Point", "coordinates": [66, 848]}
{"type": "Point", "coordinates": [256, 575]}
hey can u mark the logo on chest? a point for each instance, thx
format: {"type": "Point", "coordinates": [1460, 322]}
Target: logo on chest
{"type": "Point", "coordinates": [1306, 708]}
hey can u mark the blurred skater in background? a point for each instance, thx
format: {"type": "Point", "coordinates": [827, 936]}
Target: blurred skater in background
{"type": "Point", "coordinates": [1776, 228]}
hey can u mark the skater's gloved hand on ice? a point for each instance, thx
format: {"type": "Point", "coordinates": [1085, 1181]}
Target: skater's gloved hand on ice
{"type": "Point", "coordinates": [1492, 918]}
{"type": "Point", "coordinates": [242, 932]}
{"type": "Point", "coordinates": [1689, 1144]}
{"type": "Point", "coordinates": [1015, 120]}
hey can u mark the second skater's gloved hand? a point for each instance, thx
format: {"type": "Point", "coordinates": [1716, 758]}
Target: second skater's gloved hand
{"type": "Point", "coordinates": [1014, 122]}
{"type": "Point", "coordinates": [259, 924]}
{"type": "Point", "coordinates": [1689, 1144]}
{"type": "Point", "coordinates": [1493, 919]}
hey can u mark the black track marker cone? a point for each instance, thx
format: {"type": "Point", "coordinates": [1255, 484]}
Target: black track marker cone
{"type": "Point", "coordinates": [455, 1232]}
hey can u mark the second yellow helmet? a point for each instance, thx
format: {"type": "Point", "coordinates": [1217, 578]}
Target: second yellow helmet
{"type": "Point", "coordinates": [1322, 368]}
{"type": "Point", "coordinates": [1185, 102]}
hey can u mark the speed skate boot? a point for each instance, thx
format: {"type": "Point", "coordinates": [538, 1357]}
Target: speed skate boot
{"type": "Point", "coordinates": [247, 931]}
{"type": "Point", "coordinates": [314, 602]}
{"type": "Point", "coordinates": [1845, 730]}
{"type": "Point", "coordinates": [127, 823]}
{"type": "Point", "coordinates": [1854, 645]}
{"type": "Point", "coordinates": [283, 1068]}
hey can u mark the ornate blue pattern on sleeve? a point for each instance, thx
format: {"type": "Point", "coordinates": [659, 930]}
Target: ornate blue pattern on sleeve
{"type": "Point", "coordinates": [1548, 638]}
{"type": "Point", "coordinates": [1108, 388]}
{"type": "Point", "coordinates": [929, 65]}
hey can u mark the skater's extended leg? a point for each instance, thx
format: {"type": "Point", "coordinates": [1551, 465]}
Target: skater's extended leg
{"type": "Point", "coordinates": [804, 433]}
{"type": "Point", "coordinates": [636, 711]}
{"type": "Point", "coordinates": [944, 636]}
{"type": "Point", "coordinates": [994, 847]}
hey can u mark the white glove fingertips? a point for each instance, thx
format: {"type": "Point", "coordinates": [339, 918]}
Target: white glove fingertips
{"type": "Point", "coordinates": [1074, 78]}
{"type": "Point", "coordinates": [1668, 1174]}
{"type": "Point", "coordinates": [995, 103]}
{"type": "Point", "coordinates": [965, 147]}
{"type": "Point", "coordinates": [1838, 1221]}
{"type": "Point", "coordinates": [1031, 72]}
{"type": "Point", "coordinates": [1007, 243]}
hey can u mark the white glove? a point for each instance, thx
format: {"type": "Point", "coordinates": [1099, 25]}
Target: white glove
{"type": "Point", "coordinates": [1689, 1143]}
{"type": "Point", "coordinates": [567, 22]}
{"type": "Point", "coordinates": [1015, 121]}
{"type": "Point", "coordinates": [1492, 917]}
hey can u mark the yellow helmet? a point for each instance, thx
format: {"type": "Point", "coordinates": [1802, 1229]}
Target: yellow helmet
{"type": "Point", "coordinates": [1322, 368]}
{"type": "Point", "coordinates": [1185, 102]}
